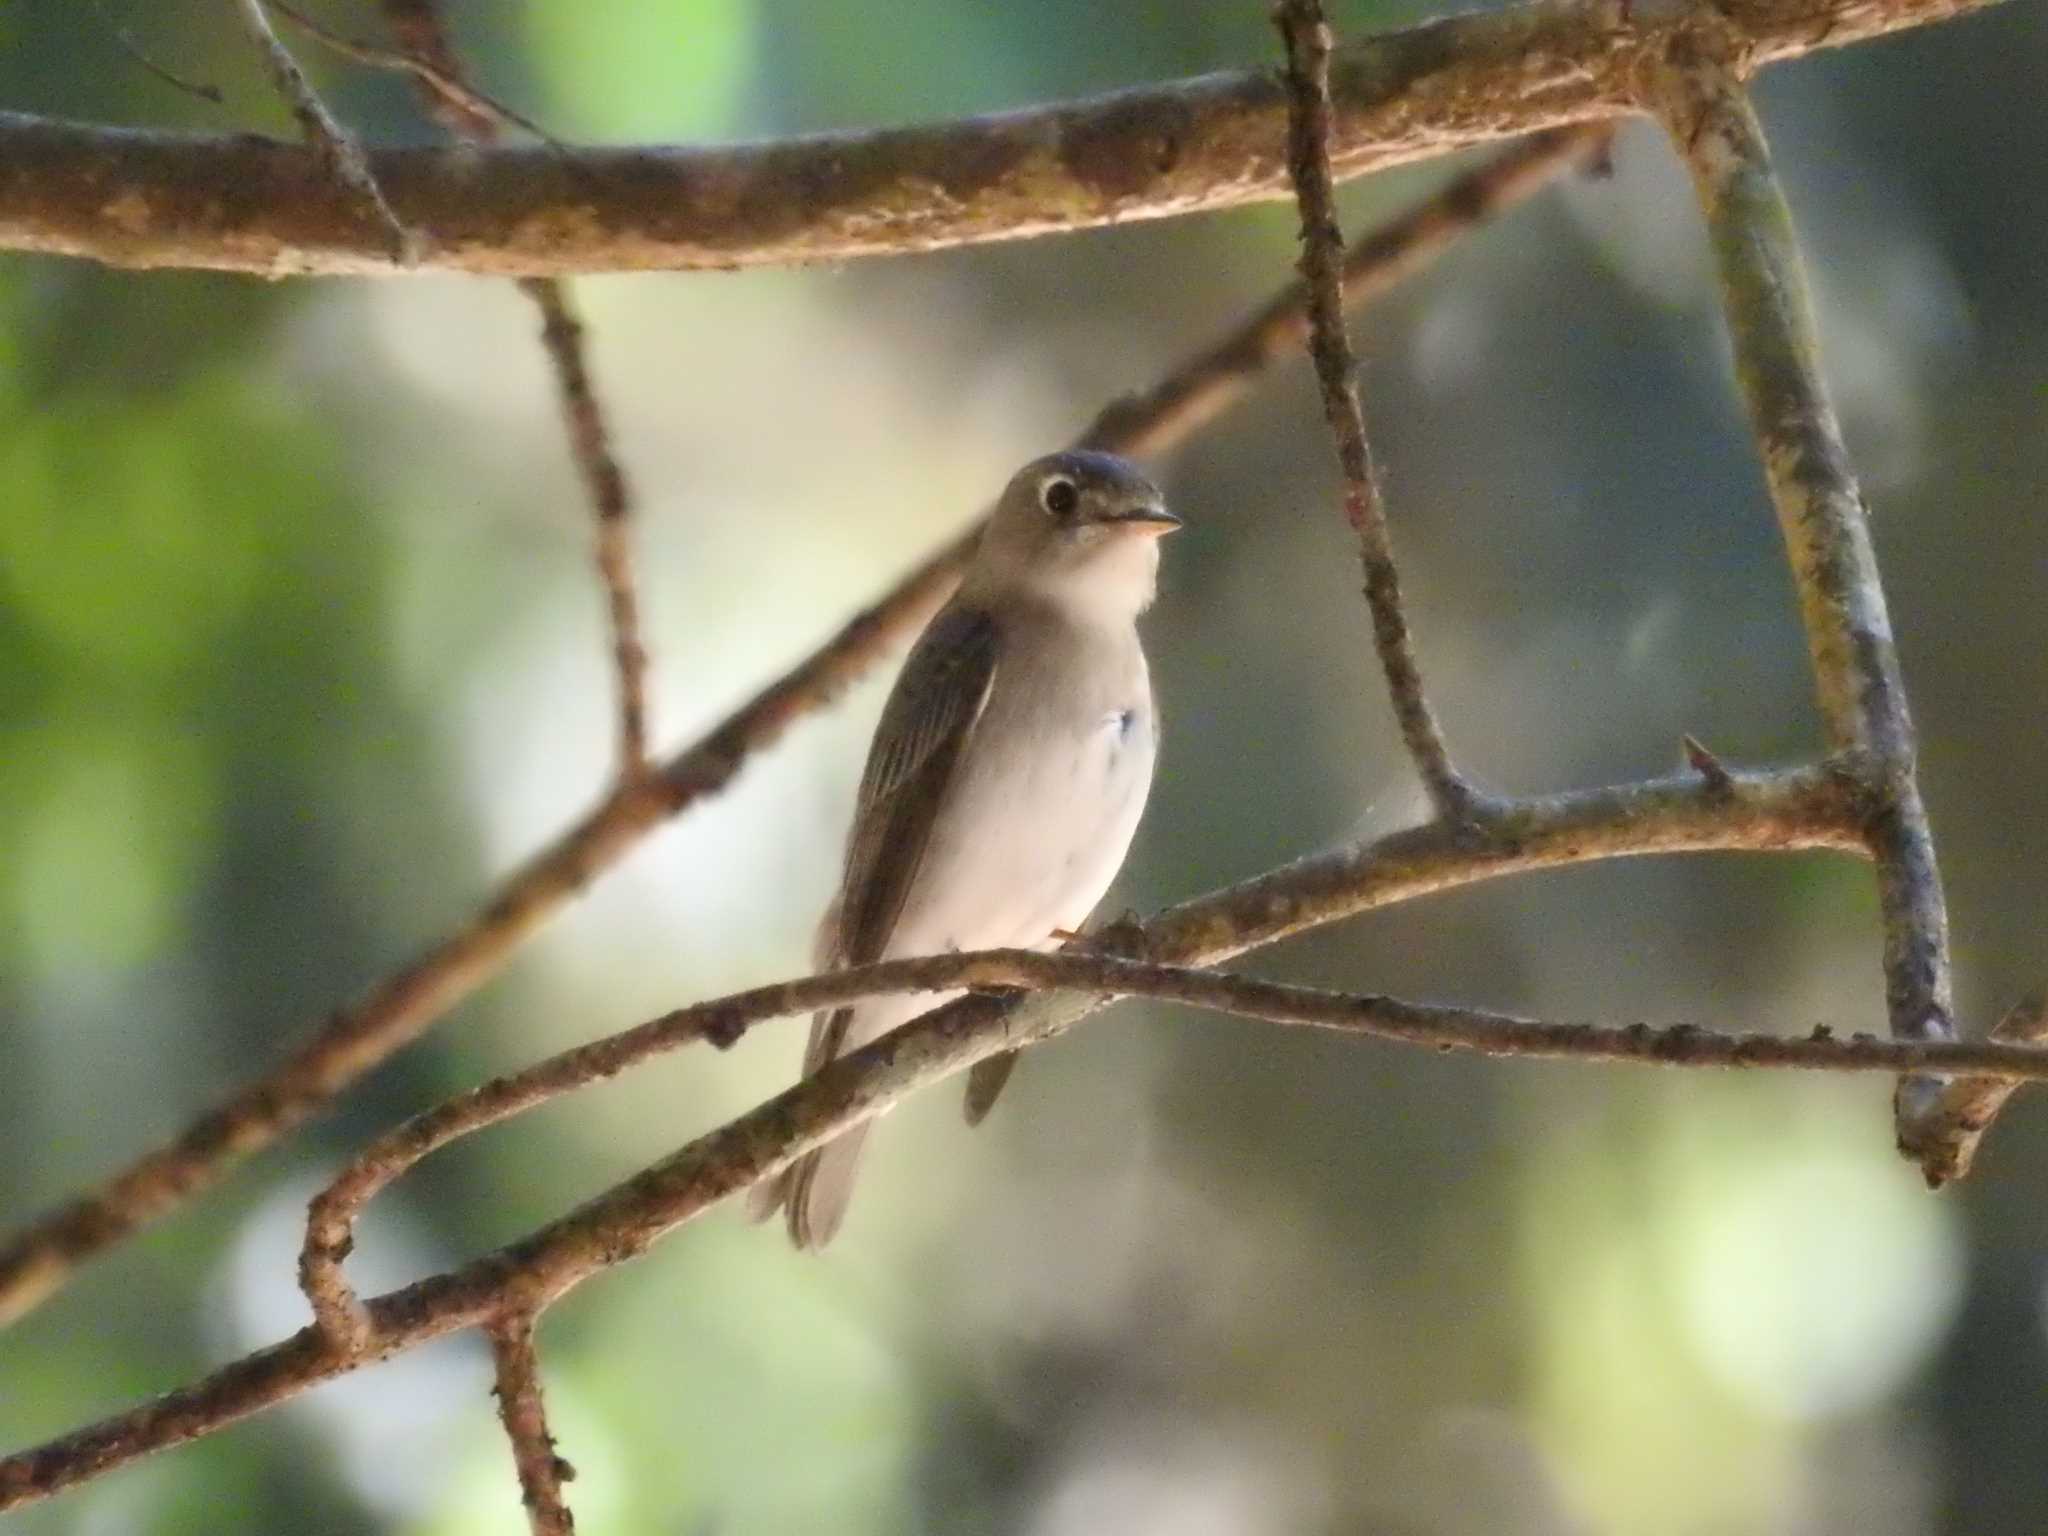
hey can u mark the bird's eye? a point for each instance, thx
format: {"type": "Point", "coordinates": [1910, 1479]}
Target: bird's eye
{"type": "Point", "coordinates": [1060, 496]}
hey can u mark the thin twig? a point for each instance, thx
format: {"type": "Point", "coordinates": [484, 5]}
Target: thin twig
{"type": "Point", "coordinates": [1308, 41]}
{"type": "Point", "coordinates": [420, 23]}
{"type": "Point", "coordinates": [524, 1414]}
{"type": "Point", "coordinates": [605, 482]}
{"type": "Point", "coordinates": [341, 158]}
{"type": "Point", "coordinates": [446, 85]}
{"type": "Point", "coordinates": [1162, 150]}
{"type": "Point", "coordinates": [135, 51]}
{"type": "Point", "coordinates": [38, 1259]}
{"type": "Point", "coordinates": [1826, 528]}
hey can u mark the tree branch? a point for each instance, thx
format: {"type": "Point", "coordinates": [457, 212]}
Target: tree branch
{"type": "Point", "coordinates": [1826, 527]}
{"type": "Point", "coordinates": [38, 1259]}
{"type": "Point", "coordinates": [1306, 36]}
{"type": "Point", "coordinates": [153, 199]}
{"type": "Point", "coordinates": [475, 118]}
{"type": "Point", "coordinates": [524, 1415]}
{"type": "Point", "coordinates": [1808, 808]}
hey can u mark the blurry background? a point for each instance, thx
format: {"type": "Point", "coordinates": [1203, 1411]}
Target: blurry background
{"type": "Point", "coordinates": [299, 650]}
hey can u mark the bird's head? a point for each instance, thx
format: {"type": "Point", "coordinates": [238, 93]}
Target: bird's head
{"type": "Point", "coordinates": [1080, 529]}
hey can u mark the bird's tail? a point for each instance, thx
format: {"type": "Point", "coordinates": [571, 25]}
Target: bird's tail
{"type": "Point", "coordinates": [813, 1192]}
{"type": "Point", "coordinates": [815, 1189]}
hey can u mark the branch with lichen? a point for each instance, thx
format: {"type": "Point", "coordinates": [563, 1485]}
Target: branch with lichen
{"type": "Point", "coordinates": [144, 199]}
{"type": "Point", "coordinates": [1825, 520]}
{"type": "Point", "coordinates": [36, 1261]}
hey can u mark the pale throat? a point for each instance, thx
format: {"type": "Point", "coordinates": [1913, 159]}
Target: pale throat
{"type": "Point", "coordinates": [1112, 584]}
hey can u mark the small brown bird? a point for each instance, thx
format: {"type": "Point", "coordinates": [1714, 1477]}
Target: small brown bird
{"type": "Point", "coordinates": [1008, 773]}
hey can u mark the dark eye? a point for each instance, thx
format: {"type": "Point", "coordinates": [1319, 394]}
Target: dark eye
{"type": "Point", "coordinates": [1060, 497]}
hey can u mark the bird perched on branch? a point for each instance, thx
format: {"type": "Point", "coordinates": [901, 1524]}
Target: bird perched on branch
{"type": "Point", "coordinates": [1007, 775]}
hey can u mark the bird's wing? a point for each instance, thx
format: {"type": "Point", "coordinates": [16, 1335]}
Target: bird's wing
{"type": "Point", "coordinates": [925, 727]}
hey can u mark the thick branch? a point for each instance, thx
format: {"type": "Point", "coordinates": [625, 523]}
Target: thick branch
{"type": "Point", "coordinates": [1812, 808]}
{"type": "Point", "coordinates": [149, 199]}
{"type": "Point", "coordinates": [522, 1411]}
{"type": "Point", "coordinates": [1307, 38]}
{"type": "Point", "coordinates": [1826, 527]}
{"type": "Point", "coordinates": [36, 1260]}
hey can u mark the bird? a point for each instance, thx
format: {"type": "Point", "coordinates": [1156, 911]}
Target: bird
{"type": "Point", "coordinates": [1006, 777]}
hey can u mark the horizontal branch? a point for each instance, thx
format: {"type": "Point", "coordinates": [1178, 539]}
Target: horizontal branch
{"type": "Point", "coordinates": [36, 1260]}
{"type": "Point", "coordinates": [241, 203]}
{"type": "Point", "coordinates": [1806, 808]}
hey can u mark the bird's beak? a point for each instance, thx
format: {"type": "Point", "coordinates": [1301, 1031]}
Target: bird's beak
{"type": "Point", "coordinates": [1148, 521]}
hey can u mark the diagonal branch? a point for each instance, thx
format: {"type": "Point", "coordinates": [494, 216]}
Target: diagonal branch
{"type": "Point", "coordinates": [36, 1261]}
{"type": "Point", "coordinates": [523, 1413]}
{"type": "Point", "coordinates": [1307, 38]}
{"type": "Point", "coordinates": [1826, 527]}
{"type": "Point", "coordinates": [1808, 808]}
{"type": "Point", "coordinates": [340, 158]}
{"type": "Point", "coordinates": [151, 199]}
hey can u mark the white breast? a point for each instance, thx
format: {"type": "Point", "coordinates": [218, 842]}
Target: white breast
{"type": "Point", "coordinates": [1047, 798]}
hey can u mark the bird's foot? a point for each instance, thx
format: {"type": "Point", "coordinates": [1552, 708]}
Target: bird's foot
{"type": "Point", "coordinates": [1123, 937]}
